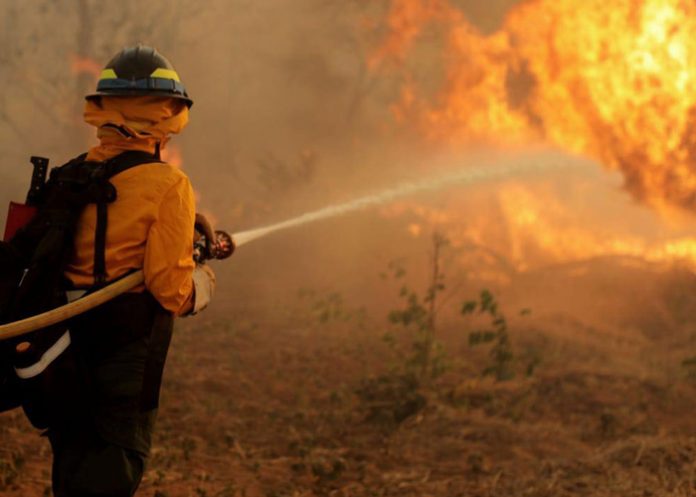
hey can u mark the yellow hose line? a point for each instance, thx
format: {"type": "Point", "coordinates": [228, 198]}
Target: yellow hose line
{"type": "Point", "coordinates": [63, 313]}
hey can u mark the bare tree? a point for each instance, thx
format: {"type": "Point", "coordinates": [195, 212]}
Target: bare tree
{"type": "Point", "coordinates": [42, 86]}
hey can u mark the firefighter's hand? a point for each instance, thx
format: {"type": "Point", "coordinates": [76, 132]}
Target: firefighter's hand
{"type": "Point", "coordinates": [205, 228]}
{"type": "Point", "coordinates": [204, 287]}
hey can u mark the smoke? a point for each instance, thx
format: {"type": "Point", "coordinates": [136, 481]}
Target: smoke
{"type": "Point", "coordinates": [274, 83]}
{"type": "Point", "coordinates": [487, 16]}
{"type": "Point", "coordinates": [290, 116]}
{"type": "Point", "coordinates": [464, 176]}
{"type": "Point", "coordinates": [287, 117]}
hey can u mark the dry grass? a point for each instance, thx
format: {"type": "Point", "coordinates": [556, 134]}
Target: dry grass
{"type": "Point", "coordinates": [266, 406]}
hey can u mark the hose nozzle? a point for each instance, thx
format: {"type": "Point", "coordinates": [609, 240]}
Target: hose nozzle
{"type": "Point", "coordinates": [222, 247]}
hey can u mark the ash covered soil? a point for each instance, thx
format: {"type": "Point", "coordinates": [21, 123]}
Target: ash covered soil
{"type": "Point", "coordinates": [273, 403]}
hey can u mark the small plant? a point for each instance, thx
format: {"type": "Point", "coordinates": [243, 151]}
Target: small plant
{"type": "Point", "coordinates": [427, 358]}
{"type": "Point", "coordinates": [188, 445]}
{"type": "Point", "coordinates": [391, 398]}
{"type": "Point", "coordinates": [279, 175]}
{"type": "Point", "coordinates": [501, 353]}
{"type": "Point", "coordinates": [394, 397]}
{"type": "Point", "coordinates": [330, 307]}
{"type": "Point", "coordinates": [689, 366]}
{"type": "Point", "coordinates": [326, 467]}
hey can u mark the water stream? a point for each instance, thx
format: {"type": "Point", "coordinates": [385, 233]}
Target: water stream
{"type": "Point", "coordinates": [463, 176]}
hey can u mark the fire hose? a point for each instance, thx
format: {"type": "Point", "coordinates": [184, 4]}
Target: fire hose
{"type": "Point", "coordinates": [222, 248]}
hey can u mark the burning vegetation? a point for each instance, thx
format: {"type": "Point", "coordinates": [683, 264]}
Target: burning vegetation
{"type": "Point", "coordinates": [612, 84]}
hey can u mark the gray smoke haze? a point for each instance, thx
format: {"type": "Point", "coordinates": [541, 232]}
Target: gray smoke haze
{"type": "Point", "coordinates": [287, 118]}
{"type": "Point", "coordinates": [286, 115]}
{"type": "Point", "coordinates": [487, 16]}
{"type": "Point", "coordinates": [281, 88]}
{"type": "Point", "coordinates": [282, 92]}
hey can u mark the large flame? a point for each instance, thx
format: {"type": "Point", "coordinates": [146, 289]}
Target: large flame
{"type": "Point", "coordinates": [613, 81]}
{"type": "Point", "coordinates": [518, 227]}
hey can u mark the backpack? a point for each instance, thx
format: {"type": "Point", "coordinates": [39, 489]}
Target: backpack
{"type": "Point", "coordinates": [38, 371]}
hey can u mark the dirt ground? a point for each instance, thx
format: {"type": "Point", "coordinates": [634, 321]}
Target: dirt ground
{"type": "Point", "coordinates": [262, 402]}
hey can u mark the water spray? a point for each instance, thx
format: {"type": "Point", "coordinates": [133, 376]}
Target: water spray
{"type": "Point", "coordinates": [459, 177]}
{"type": "Point", "coordinates": [225, 243]}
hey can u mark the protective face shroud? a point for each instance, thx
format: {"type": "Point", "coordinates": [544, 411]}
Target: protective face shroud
{"type": "Point", "coordinates": [140, 71]}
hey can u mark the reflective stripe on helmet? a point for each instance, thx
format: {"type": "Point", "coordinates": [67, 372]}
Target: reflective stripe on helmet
{"type": "Point", "coordinates": [108, 74]}
{"type": "Point", "coordinates": [160, 84]}
{"type": "Point", "coordinates": [165, 74]}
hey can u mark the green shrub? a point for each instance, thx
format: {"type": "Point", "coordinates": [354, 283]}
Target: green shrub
{"type": "Point", "coordinates": [502, 358]}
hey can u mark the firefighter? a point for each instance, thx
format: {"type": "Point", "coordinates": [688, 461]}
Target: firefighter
{"type": "Point", "coordinates": [121, 346]}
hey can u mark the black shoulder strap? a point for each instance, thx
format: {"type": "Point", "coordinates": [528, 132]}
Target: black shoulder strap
{"type": "Point", "coordinates": [67, 170]}
{"type": "Point", "coordinates": [114, 166]}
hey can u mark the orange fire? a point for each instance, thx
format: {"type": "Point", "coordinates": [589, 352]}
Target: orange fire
{"type": "Point", "coordinates": [520, 227]}
{"type": "Point", "coordinates": [171, 154]}
{"type": "Point", "coordinates": [611, 81]}
{"type": "Point", "coordinates": [85, 65]}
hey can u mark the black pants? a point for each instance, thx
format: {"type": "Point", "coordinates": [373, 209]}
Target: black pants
{"type": "Point", "coordinates": [86, 465]}
{"type": "Point", "coordinates": [121, 348]}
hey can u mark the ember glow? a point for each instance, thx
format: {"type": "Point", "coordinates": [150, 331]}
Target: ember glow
{"type": "Point", "coordinates": [610, 81]}
{"type": "Point", "coordinates": [85, 65]}
{"type": "Point", "coordinates": [171, 154]}
{"type": "Point", "coordinates": [522, 227]}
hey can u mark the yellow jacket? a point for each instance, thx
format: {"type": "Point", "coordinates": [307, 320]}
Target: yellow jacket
{"type": "Point", "coordinates": [151, 223]}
